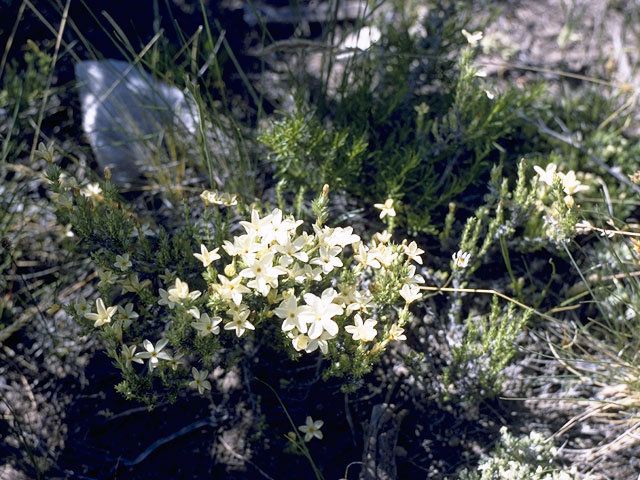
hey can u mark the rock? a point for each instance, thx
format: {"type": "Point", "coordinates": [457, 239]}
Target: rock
{"type": "Point", "coordinates": [126, 113]}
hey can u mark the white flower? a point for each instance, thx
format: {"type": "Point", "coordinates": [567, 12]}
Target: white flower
{"type": "Point", "coordinates": [309, 273]}
{"type": "Point", "coordinates": [341, 237]}
{"type": "Point", "coordinates": [327, 259]}
{"type": "Point", "coordinates": [175, 361]}
{"type": "Point", "coordinates": [472, 38]}
{"type": "Point", "coordinates": [288, 310]}
{"type": "Point", "coordinates": [396, 333]}
{"type": "Point", "coordinates": [364, 258]}
{"type": "Point", "coordinates": [321, 342]}
{"type": "Point", "coordinates": [165, 300]}
{"type": "Point", "coordinates": [279, 229]}
{"type": "Point", "coordinates": [128, 355]}
{"type": "Point", "coordinates": [231, 289]}
{"type": "Point", "coordinates": [300, 341]}
{"type": "Point", "coordinates": [386, 207]}
{"type": "Point", "coordinates": [361, 302]}
{"type": "Point", "coordinates": [180, 292]}
{"type": "Point", "coordinates": [410, 293]}
{"type": "Point", "coordinates": [413, 277]}
{"type": "Point", "coordinates": [200, 380]}
{"type": "Point", "coordinates": [311, 429]}
{"type": "Point", "coordinates": [571, 184]}
{"type": "Point", "coordinates": [216, 198]}
{"type": "Point", "coordinates": [292, 249]}
{"type": "Point", "coordinates": [461, 259]}
{"type": "Point", "coordinates": [413, 252]}
{"type": "Point", "coordinates": [257, 225]}
{"type": "Point", "coordinates": [92, 190]}
{"type": "Point", "coordinates": [263, 273]}
{"type": "Point", "coordinates": [364, 331]}
{"type": "Point", "coordinates": [548, 175]}
{"type": "Point", "coordinates": [107, 277]}
{"type": "Point", "coordinates": [207, 325]}
{"type": "Point", "coordinates": [122, 262]}
{"type": "Point", "coordinates": [206, 256]}
{"type": "Point", "coordinates": [319, 311]}
{"type": "Point", "coordinates": [239, 312]}
{"type": "Point", "coordinates": [382, 237]}
{"type": "Point", "coordinates": [385, 254]}
{"type": "Point", "coordinates": [133, 285]}
{"type": "Point", "coordinates": [127, 314]}
{"type": "Point", "coordinates": [81, 307]}
{"type": "Point", "coordinates": [243, 245]}
{"type": "Point", "coordinates": [154, 353]}
{"type": "Point", "coordinates": [104, 314]}
{"type": "Point", "coordinates": [240, 325]}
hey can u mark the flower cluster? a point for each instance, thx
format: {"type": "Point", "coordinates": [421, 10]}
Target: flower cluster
{"type": "Point", "coordinates": [314, 287]}
{"type": "Point", "coordinates": [560, 216]}
{"type": "Point", "coordinates": [570, 184]}
{"type": "Point", "coordinates": [272, 271]}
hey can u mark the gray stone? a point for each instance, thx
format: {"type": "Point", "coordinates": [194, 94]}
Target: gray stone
{"type": "Point", "coordinates": [127, 113]}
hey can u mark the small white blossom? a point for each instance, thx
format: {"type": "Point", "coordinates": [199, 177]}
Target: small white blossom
{"type": "Point", "coordinates": [322, 343]}
{"type": "Point", "coordinates": [387, 208]}
{"type": "Point", "coordinates": [104, 314]}
{"type": "Point", "coordinates": [81, 307]}
{"type": "Point", "coordinates": [461, 259]}
{"type": "Point", "coordinates": [180, 292]}
{"type": "Point", "coordinates": [230, 289]}
{"type": "Point", "coordinates": [413, 252]}
{"type": "Point", "coordinates": [133, 285]}
{"type": "Point", "coordinates": [127, 314]}
{"type": "Point", "coordinates": [154, 353]}
{"type": "Point", "coordinates": [548, 175]}
{"type": "Point", "coordinates": [288, 310]}
{"type": "Point", "coordinates": [207, 257]}
{"type": "Point", "coordinates": [240, 325]}
{"type": "Point", "coordinates": [311, 429]}
{"type": "Point", "coordinates": [92, 190]}
{"type": "Point", "coordinates": [107, 277]}
{"type": "Point", "coordinates": [472, 38]}
{"type": "Point", "coordinates": [327, 259]}
{"type": "Point", "coordinates": [165, 300]}
{"type": "Point", "coordinates": [382, 237]}
{"type": "Point", "coordinates": [319, 311]}
{"type": "Point", "coordinates": [263, 274]}
{"type": "Point", "coordinates": [362, 256]}
{"type": "Point", "coordinates": [122, 262]}
{"type": "Point", "coordinates": [362, 330]}
{"type": "Point", "coordinates": [207, 325]}
{"type": "Point", "coordinates": [410, 293]}
{"type": "Point", "coordinates": [128, 355]}
{"type": "Point", "coordinates": [200, 380]}
{"type": "Point", "coordinates": [571, 184]}
{"type": "Point", "coordinates": [396, 333]}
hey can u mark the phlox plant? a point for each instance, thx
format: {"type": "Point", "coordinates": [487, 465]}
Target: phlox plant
{"type": "Point", "coordinates": [305, 289]}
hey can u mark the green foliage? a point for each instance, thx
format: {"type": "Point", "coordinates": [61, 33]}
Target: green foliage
{"type": "Point", "coordinates": [307, 154]}
{"type": "Point", "coordinates": [23, 84]}
{"type": "Point", "coordinates": [488, 346]}
{"type": "Point", "coordinates": [382, 138]}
